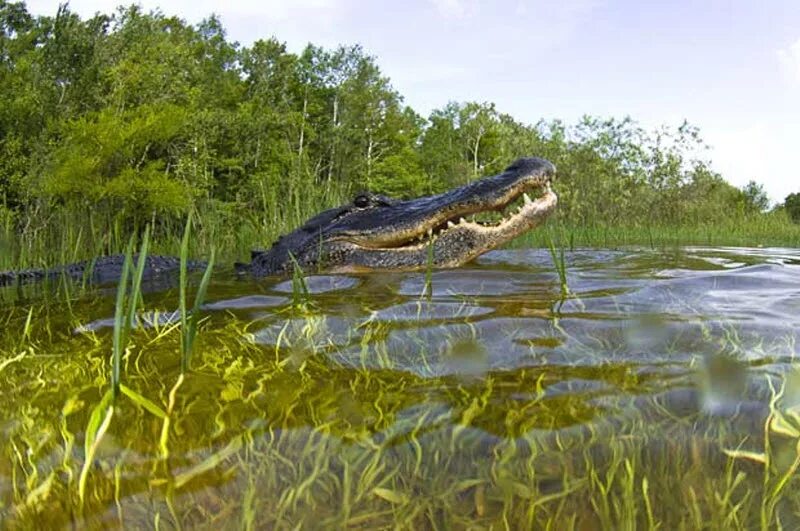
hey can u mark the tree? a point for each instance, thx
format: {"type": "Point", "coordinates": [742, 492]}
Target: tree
{"type": "Point", "coordinates": [755, 197]}
{"type": "Point", "coordinates": [792, 206]}
{"type": "Point", "coordinates": [147, 116]}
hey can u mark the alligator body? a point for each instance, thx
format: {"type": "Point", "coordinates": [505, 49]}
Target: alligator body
{"type": "Point", "coordinates": [375, 232]}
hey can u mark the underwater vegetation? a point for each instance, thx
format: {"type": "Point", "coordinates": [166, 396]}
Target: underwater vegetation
{"type": "Point", "coordinates": [658, 390]}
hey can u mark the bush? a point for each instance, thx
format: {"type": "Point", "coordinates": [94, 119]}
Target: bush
{"type": "Point", "coordinates": [792, 206]}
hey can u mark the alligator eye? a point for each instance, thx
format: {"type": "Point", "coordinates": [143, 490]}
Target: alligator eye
{"type": "Point", "coordinates": [361, 201]}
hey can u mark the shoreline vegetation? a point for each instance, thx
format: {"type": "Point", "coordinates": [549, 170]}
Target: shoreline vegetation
{"type": "Point", "coordinates": [132, 119]}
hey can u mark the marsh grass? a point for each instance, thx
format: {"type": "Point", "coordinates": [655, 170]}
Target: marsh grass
{"type": "Point", "coordinates": [127, 303]}
{"type": "Point", "coordinates": [190, 320]}
{"type": "Point", "coordinates": [188, 331]}
{"type": "Point", "coordinates": [766, 231]}
{"type": "Point", "coordinates": [301, 297]}
{"type": "Point", "coordinates": [427, 288]}
{"type": "Point", "coordinates": [558, 255]}
{"type": "Point", "coordinates": [60, 236]}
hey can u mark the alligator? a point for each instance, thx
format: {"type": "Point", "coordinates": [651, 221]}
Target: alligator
{"type": "Point", "coordinates": [375, 232]}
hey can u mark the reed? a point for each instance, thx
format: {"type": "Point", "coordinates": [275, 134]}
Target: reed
{"type": "Point", "coordinates": [301, 297]}
{"type": "Point", "coordinates": [766, 231]}
{"type": "Point", "coordinates": [558, 255]}
{"type": "Point", "coordinates": [427, 289]}
{"type": "Point", "coordinates": [191, 319]}
{"type": "Point", "coordinates": [126, 305]}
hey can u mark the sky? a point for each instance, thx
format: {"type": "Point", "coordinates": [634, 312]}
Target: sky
{"type": "Point", "coordinates": [732, 68]}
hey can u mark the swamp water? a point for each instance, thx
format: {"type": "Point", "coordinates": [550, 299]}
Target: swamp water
{"type": "Point", "coordinates": [661, 392]}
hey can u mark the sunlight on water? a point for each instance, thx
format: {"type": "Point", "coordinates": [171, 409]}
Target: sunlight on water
{"type": "Point", "coordinates": [663, 391]}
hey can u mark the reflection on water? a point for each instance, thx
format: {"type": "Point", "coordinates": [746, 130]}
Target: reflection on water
{"type": "Point", "coordinates": [643, 398]}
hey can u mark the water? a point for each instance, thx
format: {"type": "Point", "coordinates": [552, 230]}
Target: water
{"type": "Point", "coordinates": [653, 395]}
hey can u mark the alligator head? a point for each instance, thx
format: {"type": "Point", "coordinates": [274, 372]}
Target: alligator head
{"type": "Point", "coordinates": [376, 232]}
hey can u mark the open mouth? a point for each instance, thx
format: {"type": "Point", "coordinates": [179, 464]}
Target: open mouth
{"type": "Point", "coordinates": [509, 211]}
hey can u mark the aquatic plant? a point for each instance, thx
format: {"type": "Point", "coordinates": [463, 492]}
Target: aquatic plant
{"type": "Point", "coordinates": [559, 263]}
{"type": "Point", "coordinates": [189, 320]}
{"type": "Point", "coordinates": [127, 303]}
{"type": "Point", "coordinates": [301, 298]}
{"type": "Point", "coordinates": [381, 410]}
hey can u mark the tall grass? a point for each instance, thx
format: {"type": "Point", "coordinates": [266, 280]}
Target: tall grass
{"type": "Point", "coordinates": [189, 323]}
{"type": "Point", "coordinates": [52, 236]}
{"type": "Point", "coordinates": [48, 236]}
{"type": "Point", "coordinates": [301, 297]}
{"type": "Point", "coordinates": [427, 289]}
{"type": "Point", "coordinates": [558, 255]}
{"type": "Point", "coordinates": [765, 231]}
{"type": "Point", "coordinates": [128, 301]}
{"type": "Point", "coordinates": [189, 320]}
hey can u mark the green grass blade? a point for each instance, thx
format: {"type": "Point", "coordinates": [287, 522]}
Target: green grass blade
{"type": "Point", "coordinates": [145, 403]}
{"type": "Point", "coordinates": [300, 293]}
{"type": "Point", "coordinates": [120, 337]}
{"type": "Point", "coordinates": [182, 290]}
{"type": "Point", "coordinates": [560, 264]}
{"type": "Point", "coordinates": [99, 421]}
{"type": "Point", "coordinates": [194, 318]}
{"type": "Point", "coordinates": [136, 288]}
{"type": "Point", "coordinates": [427, 289]}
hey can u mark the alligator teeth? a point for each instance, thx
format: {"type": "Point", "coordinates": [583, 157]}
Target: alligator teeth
{"type": "Point", "coordinates": [527, 198]}
{"type": "Point", "coordinates": [462, 220]}
{"type": "Point", "coordinates": [450, 224]}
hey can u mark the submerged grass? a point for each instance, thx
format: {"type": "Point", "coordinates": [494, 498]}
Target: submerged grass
{"type": "Point", "coordinates": [410, 455]}
{"type": "Point", "coordinates": [329, 447]}
{"type": "Point", "coordinates": [329, 426]}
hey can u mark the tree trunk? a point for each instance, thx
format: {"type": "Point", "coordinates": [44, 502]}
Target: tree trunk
{"type": "Point", "coordinates": [475, 156]}
{"type": "Point", "coordinates": [334, 127]}
{"type": "Point", "coordinates": [302, 130]}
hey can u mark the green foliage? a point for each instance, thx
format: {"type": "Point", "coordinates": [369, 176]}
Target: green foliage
{"type": "Point", "coordinates": [131, 117]}
{"type": "Point", "coordinates": [400, 175]}
{"type": "Point", "coordinates": [117, 161]}
{"type": "Point", "coordinates": [792, 207]}
{"type": "Point", "coordinates": [755, 197]}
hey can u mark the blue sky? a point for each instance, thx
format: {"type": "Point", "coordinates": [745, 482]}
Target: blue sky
{"type": "Point", "coordinates": [730, 67]}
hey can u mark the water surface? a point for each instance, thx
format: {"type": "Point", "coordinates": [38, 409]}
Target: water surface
{"type": "Point", "coordinates": [653, 394]}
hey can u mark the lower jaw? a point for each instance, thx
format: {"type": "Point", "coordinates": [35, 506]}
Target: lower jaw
{"type": "Point", "coordinates": [455, 246]}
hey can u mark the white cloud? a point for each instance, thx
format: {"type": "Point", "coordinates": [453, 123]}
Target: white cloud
{"type": "Point", "coordinates": [790, 61]}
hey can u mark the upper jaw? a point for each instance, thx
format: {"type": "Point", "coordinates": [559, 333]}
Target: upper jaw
{"type": "Point", "coordinates": [417, 219]}
{"type": "Point", "coordinates": [531, 213]}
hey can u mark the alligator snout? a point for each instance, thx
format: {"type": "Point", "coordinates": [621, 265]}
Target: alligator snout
{"type": "Point", "coordinates": [533, 166]}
